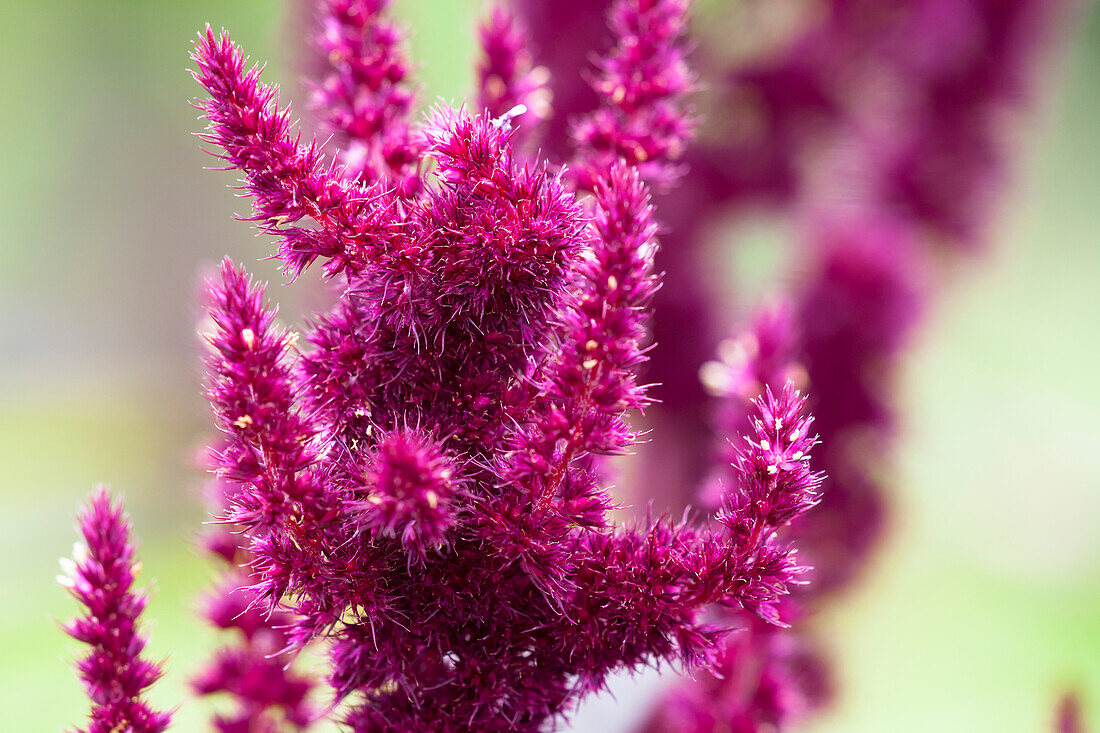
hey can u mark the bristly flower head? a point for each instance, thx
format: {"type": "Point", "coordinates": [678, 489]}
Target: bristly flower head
{"type": "Point", "coordinates": [465, 572]}
{"type": "Point", "coordinates": [101, 575]}
{"type": "Point", "coordinates": [411, 491]}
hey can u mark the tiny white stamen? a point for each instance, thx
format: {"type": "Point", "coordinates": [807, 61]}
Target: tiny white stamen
{"type": "Point", "coordinates": [249, 338]}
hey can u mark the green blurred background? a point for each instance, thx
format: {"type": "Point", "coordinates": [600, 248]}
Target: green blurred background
{"type": "Point", "coordinates": [982, 608]}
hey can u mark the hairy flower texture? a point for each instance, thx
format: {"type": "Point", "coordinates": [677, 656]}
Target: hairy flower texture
{"type": "Point", "coordinates": [588, 385]}
{"type": "Point", "coordinates": [101, 576]}
{"type": "Point", "coordinates": [765, 679]}
{"type": "Point", "coordinates": [508, 81]}
{"type": "Point", "coordinates": [253, 666]}
{"type": "Point", "coordinates": [641, 82]}
{"type": "Point", "coordinates": [416, 488]}
{"type": "Point", "coordinates": [843, 336]}
{"type": "Point", "coordinates": [285, 504]}
{"type": "Point", "coordinates": [267, 444]}
{"type": "Point", "coordinates": [364, 96]}
{"type": "Point", "coordinates": [412, 490]}
{"type": "Point", "coordinates": [436, 336]}
{"type": "Point", "coordinates": [776, 484]}
{"type": "Point", "coordinates": [310, 205]}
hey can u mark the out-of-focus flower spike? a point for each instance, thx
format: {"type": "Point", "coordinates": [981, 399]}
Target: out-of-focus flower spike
{"type": "Point", "coordinates": [509, 85]}
{"type": "Point", "coordinates": [364, 96]}
{"type": "Point", "coordinates": [101, 576]}
{"type": "Point", "coordinates": [254, 667]}
{"type": "Point", "coordinates": [348, 223]}
{"type": "Point", "coordinates": [1068, 717]}
{"type": "Point", "coordinates": [642, 83]}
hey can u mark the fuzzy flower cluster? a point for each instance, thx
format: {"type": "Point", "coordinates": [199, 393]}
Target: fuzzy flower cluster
{"type": "Point", "coordinates": [417, 481]}
{"type": "Point", "coordinates": [415, 486]}
{"type": "Point", "coordinates": [100, 576]}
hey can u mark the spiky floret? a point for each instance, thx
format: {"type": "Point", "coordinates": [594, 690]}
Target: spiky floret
{"type": "Point", "coordinates": [364, 96]}
{"type": "Point", "coordinates": [496, 338]}
{"type": "Point", "coordinates": [343, 222]}
{"type": "Point", "coordinates": [775, 483]}
{"type": "Point", "coordinates": [100, 576]}
{"type": "Point", "coordinates": [269, 445]}
{"type": "Point", "coordinates": [412, 488]}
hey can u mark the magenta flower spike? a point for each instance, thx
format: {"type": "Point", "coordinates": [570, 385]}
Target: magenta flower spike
{"type": "Point", "coordinates": [509, 85]}
{"type": "Point", "coordinates": [642, 82]}
{"type": "Point", "coordinates": [418, 487]}
{"type": "Point", "coordinates": [100, 576]}
{"type": "Point", "coordinates": [364, 97]}
{"type": "Point", "coordinates": [343, 222]}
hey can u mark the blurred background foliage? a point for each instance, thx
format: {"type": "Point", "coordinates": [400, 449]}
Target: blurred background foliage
{"type": "Point", "coordinates": [982, 608]}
